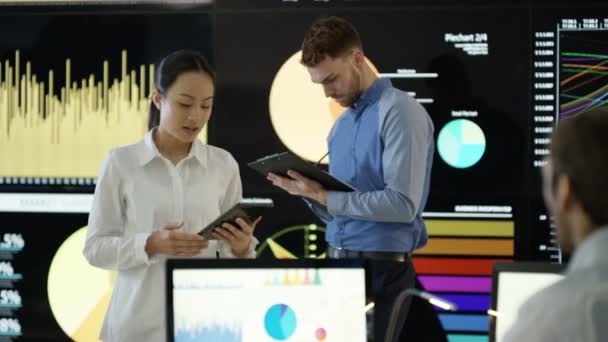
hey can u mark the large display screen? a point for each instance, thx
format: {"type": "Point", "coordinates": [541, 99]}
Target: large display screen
{"type": "Point", "coordinates": [495, 79]}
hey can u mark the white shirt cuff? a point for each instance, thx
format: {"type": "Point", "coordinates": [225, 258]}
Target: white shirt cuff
{"type": "Point", "coordinates": [226, 250]}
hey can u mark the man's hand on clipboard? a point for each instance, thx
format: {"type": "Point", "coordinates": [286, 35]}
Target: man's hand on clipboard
{"type": "Point", "coordinates": [296, 184]}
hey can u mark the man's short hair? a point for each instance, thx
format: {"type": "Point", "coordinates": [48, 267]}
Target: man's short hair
{"type": "Point", "coordinates": [580, 151]}
{"type": "Point", "coordinates": [328, 37]}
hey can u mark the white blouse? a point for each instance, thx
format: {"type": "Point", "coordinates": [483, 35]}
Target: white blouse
{"type": "Point", "coordinates": [138, 191]}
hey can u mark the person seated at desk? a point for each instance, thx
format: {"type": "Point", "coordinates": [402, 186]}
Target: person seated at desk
{"type": "Point", "coordinates": [575, 188]}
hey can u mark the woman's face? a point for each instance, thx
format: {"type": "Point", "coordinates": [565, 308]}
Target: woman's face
{"type": "Point", "coordinates": [186, 106]}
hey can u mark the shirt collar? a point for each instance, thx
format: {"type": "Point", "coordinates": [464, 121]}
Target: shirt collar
{"type": "Point", "coordinates": [149, 151]}
{"type": "Point", "coordinates": [371, 95]}
{"type": "Point", "coordinates": [592, 251]}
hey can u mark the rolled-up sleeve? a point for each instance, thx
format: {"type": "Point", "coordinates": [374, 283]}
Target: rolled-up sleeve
{"type": "Point", "coordinates": [226, 251]}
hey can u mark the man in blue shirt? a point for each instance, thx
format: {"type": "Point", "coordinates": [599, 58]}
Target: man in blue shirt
{"type": "Point", "coordinates": [383, 146]}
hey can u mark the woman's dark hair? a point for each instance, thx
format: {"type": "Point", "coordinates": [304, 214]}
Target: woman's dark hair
{"type": "Point", "coordinates": [169, 69]}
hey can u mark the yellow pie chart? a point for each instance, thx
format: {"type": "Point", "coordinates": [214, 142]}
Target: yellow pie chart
{"type": "Point", "coordinates": [79, 293]}
{"type": "Point", "coordinates": [300, 113]}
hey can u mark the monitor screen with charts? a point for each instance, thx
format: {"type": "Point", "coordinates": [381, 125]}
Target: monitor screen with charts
{"type": "Point", "coordinates": [250, 301]}
{"type": "Point", "coordinates": [513, 284]}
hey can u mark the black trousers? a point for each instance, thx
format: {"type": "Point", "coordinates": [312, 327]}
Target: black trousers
{"type": "Point", "coordinates": [385, 280]}
{"type": "Point", "coordinates": [418, 320]}
{"type": "Point", "coordinates": [422, 323]}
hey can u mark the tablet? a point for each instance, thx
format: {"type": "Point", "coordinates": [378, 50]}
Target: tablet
{"type": "Point", "coordinates": [280, 163]}
{"type": "Point", "coordinates": [248, 209]}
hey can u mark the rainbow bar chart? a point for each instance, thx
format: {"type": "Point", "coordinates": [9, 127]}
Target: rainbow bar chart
{"type": "Point", "coordinates": [456, 264]}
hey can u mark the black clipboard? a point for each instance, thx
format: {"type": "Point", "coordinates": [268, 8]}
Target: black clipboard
{"type": "Point", "coordinates": [280, 163]}
{"type": "Point", "coordinates": [249, 209]}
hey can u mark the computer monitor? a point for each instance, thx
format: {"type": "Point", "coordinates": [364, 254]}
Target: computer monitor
{"type": "Point", "coordinates": [512, 284]}
{"type": "Point", "coordinates": [254, 301]}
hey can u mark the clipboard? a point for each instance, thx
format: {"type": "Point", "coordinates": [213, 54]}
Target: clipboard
{"type": "Point", "coordinates": [280, 163]}
{"type": "Point", "coordinates": [249, 209]}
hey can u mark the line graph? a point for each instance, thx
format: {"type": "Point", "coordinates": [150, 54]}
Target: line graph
{"type": "Point", "coordinates": [583, 71]}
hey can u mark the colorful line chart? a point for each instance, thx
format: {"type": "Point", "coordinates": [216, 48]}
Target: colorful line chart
{"type": "Point", "coordinates": [583, 70]}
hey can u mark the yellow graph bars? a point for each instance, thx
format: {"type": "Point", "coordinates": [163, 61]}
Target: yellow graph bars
{"type": "Point", "coordinates": [66, 133]}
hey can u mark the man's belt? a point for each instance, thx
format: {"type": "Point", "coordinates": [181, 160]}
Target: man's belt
{"type": "Point", "coordinates": [341, 253]}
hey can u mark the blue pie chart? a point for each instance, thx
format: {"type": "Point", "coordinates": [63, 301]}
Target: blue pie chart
{"type": "Point", "coordinates": [461, 143]}
{"type": "Point", "coordinates": [280, 322]}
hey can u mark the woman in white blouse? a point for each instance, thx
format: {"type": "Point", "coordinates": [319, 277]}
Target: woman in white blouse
{"type": "Point", "coordinates": [153, 196]}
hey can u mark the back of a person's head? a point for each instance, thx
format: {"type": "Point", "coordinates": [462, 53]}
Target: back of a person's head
{"type": "Point", "coordinates": [328, 37]}
{"type": "Point", "coordinates": [580, 151]}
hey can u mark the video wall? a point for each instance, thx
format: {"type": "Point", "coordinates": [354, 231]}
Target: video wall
{"type": "Point", "coordinates": [75, 81]}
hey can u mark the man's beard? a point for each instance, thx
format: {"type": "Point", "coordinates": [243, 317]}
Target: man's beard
{"type": "Point", "coordinates": [355, 94]}
{"type": "Point", "coordinates": [352, 99]}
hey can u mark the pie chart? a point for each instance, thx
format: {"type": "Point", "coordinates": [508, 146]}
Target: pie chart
{"type": "Point", "coordinates": [461, 143]}
{"type": "Point", "coordinates": [280, 322]}
{"type": "Point", "coordinates": [79, 293]}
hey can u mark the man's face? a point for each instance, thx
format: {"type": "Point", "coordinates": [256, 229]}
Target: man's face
{"type": "Point", "coordinates": [555, 193]}
{"type": "Point", "coordinates": [340, 78]}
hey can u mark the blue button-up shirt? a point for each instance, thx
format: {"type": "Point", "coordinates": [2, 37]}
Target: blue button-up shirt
{"type": "Point", "coordinates": [383, 146]}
